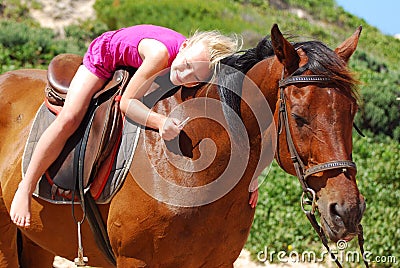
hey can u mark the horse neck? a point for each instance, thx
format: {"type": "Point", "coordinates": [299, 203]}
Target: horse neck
{"type": "Point", "coordinates": [201, 139]}
{"type": "Point", "coordinates": [266, 75]}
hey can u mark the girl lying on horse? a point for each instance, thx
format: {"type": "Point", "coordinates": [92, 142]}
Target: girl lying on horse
{"type": "Point", "coordinates": [150, 49]}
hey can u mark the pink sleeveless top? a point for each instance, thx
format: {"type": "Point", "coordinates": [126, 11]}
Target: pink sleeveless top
{"type": "Point", "coordinates": [120, 48]}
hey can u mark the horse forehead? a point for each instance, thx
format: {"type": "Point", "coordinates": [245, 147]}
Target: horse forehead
{"type": "Point", "coordinates": [336, 98]}
{"type": "Point", "coordinates": [307, 95]}
{"type": "Point", "coordinates": [322, 100]}
{"type": "Point", "coordinates": [318, 94]}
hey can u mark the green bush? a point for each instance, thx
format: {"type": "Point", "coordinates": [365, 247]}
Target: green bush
{"type": "Point", "coordinates": [380, 88]}
{"type": "Point", "coordinates": [379, 112]}
{"type": "Point", "coordinates": [379, 181]}
{"type": "Point", "coordinates": [84, 33]}
{"type": "Point", "coordinates": [24, 46]}
{"type": "Point", "coordinates": [15, 10]}
{"type": "Point", "coordinates": [184, 16]}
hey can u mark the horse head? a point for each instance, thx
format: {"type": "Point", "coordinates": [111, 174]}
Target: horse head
{"type": "Point", "coordinates": [315, 109]}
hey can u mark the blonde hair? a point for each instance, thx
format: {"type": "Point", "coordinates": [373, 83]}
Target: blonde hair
{"type": "Point", "coordinates": [219, 46]}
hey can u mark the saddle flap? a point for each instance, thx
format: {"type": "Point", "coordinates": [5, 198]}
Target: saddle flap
{"type": "Point", "coordinates": [103, 135]}
{"type": "Point", "coordinates": [110, 175]}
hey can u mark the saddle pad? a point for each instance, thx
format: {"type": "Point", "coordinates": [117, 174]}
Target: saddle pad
{"type": "Point", "coordinates": [116, 167]}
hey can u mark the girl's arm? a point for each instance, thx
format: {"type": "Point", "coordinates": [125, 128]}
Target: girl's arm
{"type": "Point", "coordinates": [155, 59]}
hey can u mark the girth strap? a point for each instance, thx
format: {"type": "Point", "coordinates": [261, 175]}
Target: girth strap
{"type": "Point", "coordinates": [89, 207]}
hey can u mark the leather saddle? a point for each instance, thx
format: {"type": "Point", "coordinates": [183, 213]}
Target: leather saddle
{"type": "Point", "coordinates": [98, 133]}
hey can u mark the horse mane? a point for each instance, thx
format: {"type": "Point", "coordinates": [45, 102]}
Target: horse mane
{"type": "Point", "coordinates": [243, 61]}
{"type": "Point", "coordinates": [231, 74]}
{"type": "Point", "coordinates": [324, 61]}
{"type": "Point", "coordinates": [321, 61]}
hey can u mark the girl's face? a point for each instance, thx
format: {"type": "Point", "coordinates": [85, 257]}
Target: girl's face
{"type": "Point", "coordinates": [191, 65]}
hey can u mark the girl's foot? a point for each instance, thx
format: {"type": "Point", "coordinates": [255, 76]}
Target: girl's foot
{"type": "Point", "coordinates": [20, 211]}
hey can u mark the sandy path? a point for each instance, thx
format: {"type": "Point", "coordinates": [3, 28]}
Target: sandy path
{"type": "Point", "coordinates": [61, 13]}
{"type": "Point", "coordinates": [243, 261]}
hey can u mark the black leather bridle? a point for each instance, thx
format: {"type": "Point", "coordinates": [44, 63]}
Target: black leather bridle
{"type": "Point", "coordinates": [309, 196]}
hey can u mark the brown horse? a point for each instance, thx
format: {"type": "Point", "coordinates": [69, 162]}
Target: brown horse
{"type": "Point", "coordinates": [149, 225]}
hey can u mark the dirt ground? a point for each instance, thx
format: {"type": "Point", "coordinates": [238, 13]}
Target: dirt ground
{"type": "Point", "coordinates": [243, 261]}
{"type": "Point", "coordinates": [61, 13]}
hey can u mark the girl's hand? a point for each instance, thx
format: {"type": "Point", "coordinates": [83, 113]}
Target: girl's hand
{"type": "Point", "coordinates": [253, 193]}
{"type": "Point", "coordinates": [170, 129]}
{"type": "Point", "coordinates": [253, 198]}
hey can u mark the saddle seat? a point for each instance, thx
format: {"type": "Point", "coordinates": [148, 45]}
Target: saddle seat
{"type": "Point", "coordinates": [62, 69]}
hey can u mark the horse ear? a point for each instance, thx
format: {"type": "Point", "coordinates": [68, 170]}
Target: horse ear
{"type": "Point", "coordinates": [347, 48]}
{"type": "Point", "coordinates": [284, 51]}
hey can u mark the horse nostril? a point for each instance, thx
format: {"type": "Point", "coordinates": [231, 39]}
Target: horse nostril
{"type": "Point", "coordinates": [336, 215]}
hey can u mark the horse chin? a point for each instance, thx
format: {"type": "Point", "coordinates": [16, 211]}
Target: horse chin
{"type": "Point", "coordinates": [336, 235]}
{"type": "Point", "coordinates": [332, 235]}
{"type": "Point", "coordinates": [340, 218]}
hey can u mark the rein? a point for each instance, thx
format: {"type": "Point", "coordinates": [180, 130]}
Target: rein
{"type": "Point", "coordinates": [308, 196]}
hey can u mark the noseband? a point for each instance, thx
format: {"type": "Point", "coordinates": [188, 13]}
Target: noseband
{"type": "Point", "coordinates": [302, 171]}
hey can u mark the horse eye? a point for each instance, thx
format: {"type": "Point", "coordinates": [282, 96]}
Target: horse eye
{"type": "Point", "coordinates": [300, 121]}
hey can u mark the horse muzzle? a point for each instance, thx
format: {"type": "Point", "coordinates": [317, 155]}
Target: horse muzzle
{"type": "Point", "coordinates": [340, 221]}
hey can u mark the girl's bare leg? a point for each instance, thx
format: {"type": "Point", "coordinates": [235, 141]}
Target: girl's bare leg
{"type": "Point", "coordinates": [83, 86]}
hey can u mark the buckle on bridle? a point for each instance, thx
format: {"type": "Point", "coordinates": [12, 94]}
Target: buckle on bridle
{"type": "Point", "coordinates": [307, 200]}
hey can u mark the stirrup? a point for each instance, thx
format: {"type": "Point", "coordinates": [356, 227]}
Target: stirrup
{"type": "Point", "coordinates": [80, 260]}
